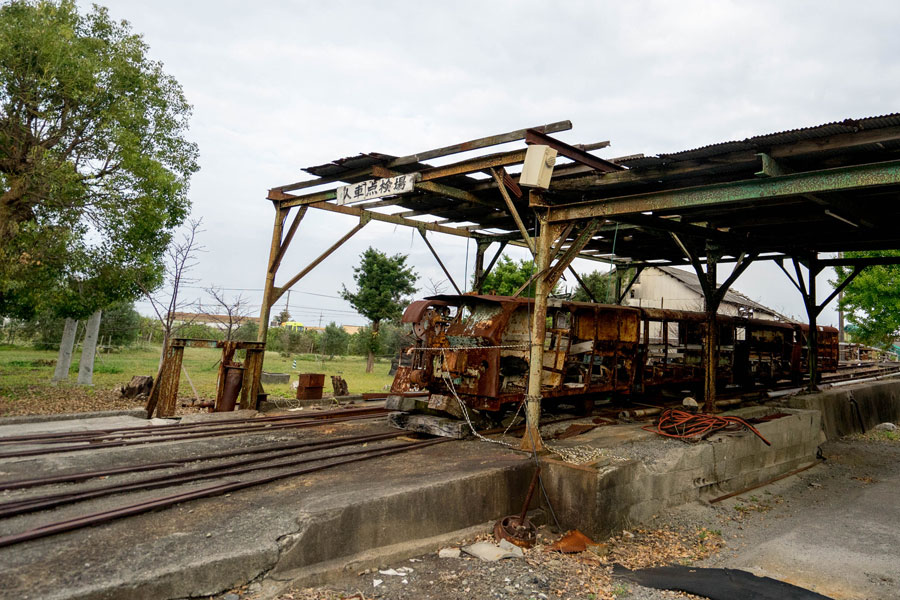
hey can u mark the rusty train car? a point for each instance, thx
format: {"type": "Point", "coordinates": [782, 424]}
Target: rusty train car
{"type": "Point", "coordinates": [477, 348]}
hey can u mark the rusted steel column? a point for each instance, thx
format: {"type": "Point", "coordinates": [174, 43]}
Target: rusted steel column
{"type": "Point", "coordinates": [252, 374]}
{"type": "Point", "coordinates": [169, 379]}
{"type": "Point", "coordinates": [478, 278]}
{"type": "Point", "coordinates": [711, 346]}
{"type": "Point", "coordinates": [812, 341]}
{"type": "Point", "coordinates": [532, 438]}
{"type": "Point", "coordinates": [271, 271]}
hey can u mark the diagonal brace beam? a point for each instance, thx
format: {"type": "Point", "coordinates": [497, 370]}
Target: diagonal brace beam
{"type": "Point", "coordinates": [439, 261]}
{"type": "Point", "coordinates": [278, 292]}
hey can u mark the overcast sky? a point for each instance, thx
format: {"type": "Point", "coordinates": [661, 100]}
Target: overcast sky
{"type": "Point", "coordinates": [277, 86]}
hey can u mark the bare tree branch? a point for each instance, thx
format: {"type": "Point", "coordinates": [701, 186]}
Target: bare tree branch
{"type": "Point", "coordinates": [180, 258]}
{"type": "Point", "coordinates": [236, 310]}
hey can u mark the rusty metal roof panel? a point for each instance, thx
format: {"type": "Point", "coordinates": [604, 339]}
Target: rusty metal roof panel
{"type": "Point", "coordinates": [349, 163]}
{"type": "Point", "coordinates": [360, 161]}
{"type": "Point", "coordinates": [760, 142]}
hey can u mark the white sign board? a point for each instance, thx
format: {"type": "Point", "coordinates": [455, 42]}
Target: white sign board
{"type": "Point", "coordinates": [376, 188]}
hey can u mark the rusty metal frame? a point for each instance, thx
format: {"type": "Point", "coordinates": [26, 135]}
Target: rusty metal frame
{"type": "Point", "coordinates": [701, 242]}
{"type": "Point", "coordinates": [164, 393]}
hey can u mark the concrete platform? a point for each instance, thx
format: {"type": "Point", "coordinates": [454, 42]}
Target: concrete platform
{"type": "Point", "coordinates": [357, 516]}
{"type": "Point", "coordinates": [209, 545]}
{"type": "Point", "coordinates": [642, 474]}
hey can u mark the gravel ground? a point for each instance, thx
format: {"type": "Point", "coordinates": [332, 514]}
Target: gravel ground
{"type": "Point", "coordinates": [727, 534]}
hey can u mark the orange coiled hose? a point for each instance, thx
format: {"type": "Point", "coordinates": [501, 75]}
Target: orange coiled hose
{"type": "Point", "coordinates": [687, 426]}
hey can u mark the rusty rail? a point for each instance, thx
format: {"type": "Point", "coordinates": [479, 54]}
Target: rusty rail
{"type": "Point", "coordinates": [215, 490]}
{"type": "Point", "coordinates": [9, 509]}
{"type": "Point", "coordinates": [92, 443]}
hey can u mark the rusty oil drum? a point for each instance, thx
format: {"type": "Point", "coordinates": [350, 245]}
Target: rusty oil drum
{"type": "Point", "coordinates": [234, 377]}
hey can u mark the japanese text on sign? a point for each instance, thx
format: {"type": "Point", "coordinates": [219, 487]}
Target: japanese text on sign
{"type": "Point", "coordinates": [376, 188]}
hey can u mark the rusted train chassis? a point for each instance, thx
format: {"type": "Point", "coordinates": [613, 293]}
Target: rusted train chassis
{"type": "Point", "coordinates": [475, 348]}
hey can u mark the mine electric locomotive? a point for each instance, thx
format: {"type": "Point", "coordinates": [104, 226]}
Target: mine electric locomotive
{"type": "Point", "coordinates": [476, 348]}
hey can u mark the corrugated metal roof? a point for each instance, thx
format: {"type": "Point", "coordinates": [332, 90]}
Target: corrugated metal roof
{"type": "Point", "coordinates": [760, 142]}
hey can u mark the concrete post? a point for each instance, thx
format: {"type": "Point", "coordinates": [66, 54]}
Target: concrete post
{"type": "Point", "coordinates": [89, 350]}
{"type": "Point", "coordinates": [64, 359]}
{"type": "Point", "coordinates": [532, 438]}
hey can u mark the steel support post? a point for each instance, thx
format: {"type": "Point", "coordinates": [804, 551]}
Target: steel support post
{"type": "Point", "coordinates": [711, 346]}
{"type": "Point", "coordinates": [813, 312]}
{"type": "Point", "coordinates": [808, 292]}
{"type": "Point", "coordinates": [478, 283]}
{"type": "Point", "coordinates": [271, 270]}
{"type": "Point", "coordinates": [532, 438]}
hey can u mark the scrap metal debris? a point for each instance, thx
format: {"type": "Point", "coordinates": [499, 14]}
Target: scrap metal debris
{"type": "Point", "coordinates": [571, 543]}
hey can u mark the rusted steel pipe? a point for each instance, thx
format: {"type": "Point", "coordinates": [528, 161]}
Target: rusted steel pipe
{"type": "Point", "coordinates": [528, 496]}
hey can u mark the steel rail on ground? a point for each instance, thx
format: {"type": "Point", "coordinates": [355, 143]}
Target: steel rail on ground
{"type": "Point", "coordinates": [215, 490]}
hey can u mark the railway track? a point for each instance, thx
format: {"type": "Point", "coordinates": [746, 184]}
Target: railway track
{"type": "Point", "coordinates": [285, 469]}
{"type": "Point", "coordinates": [132, 436]}
{"type": "Point", "coordinates": [241, 468]}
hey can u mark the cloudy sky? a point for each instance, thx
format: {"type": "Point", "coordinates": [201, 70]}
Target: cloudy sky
{"type": "Point", "coordinates": [278, 85]}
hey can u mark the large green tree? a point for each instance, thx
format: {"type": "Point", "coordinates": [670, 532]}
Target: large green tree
{"type": "Point", "coordinates": [872, 300]}
{"type": "Point", "coordinates": [334, 340]}
{"type": "Point", "coordinates": [509, 275]}
{"type": "Point", "coordinates": [94, 164]}
{"type": "Point", "coordinates": [382, 281]}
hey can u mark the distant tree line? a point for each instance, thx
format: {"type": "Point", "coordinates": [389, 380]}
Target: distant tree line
{"type": "Point", "coordinates": [122, 326]}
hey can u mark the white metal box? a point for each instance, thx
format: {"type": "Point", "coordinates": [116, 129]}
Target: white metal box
{"type": "Point", "coordinates": [538, 167]}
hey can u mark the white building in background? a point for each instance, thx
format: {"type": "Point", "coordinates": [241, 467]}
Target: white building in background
{"type": "Point", "coordinates": [678, 289]}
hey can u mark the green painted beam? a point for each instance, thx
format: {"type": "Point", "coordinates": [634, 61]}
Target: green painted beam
{"type": "Point", "coordinates": [784, 186]}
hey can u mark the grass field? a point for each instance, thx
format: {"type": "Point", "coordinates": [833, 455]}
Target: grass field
{"type": "Point", "coordinates": [25, 374]}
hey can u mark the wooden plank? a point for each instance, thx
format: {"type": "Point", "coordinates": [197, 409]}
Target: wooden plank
{"type": "Point", "coordinates": [475, 165]}
{"type": "Point", "coordinates": [484, 142]}
{"type": "Point", "coordinates": [476, 144]}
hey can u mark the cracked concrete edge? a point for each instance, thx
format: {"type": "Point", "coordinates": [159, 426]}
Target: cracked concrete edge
{"type": "Point", "coordinates": [330, 571]}
{"type": "Point", "coordinates": [130, 412]}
